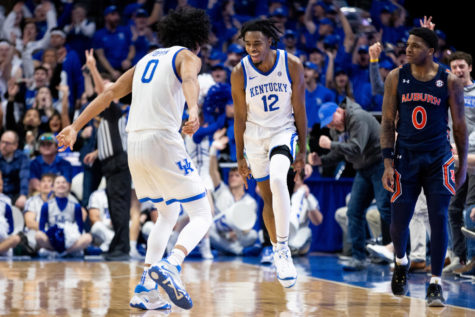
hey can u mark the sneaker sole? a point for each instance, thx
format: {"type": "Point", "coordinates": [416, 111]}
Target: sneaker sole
{"type": "Point", "coordinates": [177, 295]}
{"type": "Point", "coordinates": [436, 303]}
{"type": "Point", "coordinates": [143, 307]}
{"type": "Point", "coordinates": [288, 282]}
{"type": "Point", "coordinates": [379, 255]}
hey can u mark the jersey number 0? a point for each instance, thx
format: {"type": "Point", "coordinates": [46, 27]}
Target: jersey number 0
{"type": "Point", "coordinates": [148, 73]}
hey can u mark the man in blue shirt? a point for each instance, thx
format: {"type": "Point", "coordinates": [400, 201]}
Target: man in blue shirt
{"type": "Point", "coordinates": [315, 94]}
{"type": "Point", "coordinates": [113, 44]}
{"type": "Point", "coordinates": [48, 162]}
{"type": "Point", "coordinates": [15, 168]}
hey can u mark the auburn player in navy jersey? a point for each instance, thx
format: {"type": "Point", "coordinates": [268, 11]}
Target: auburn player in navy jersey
{"type": "Point", "coordinates": [419, 94]}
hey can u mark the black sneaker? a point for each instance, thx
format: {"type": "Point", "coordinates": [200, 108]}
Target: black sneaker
{"type": "Point", "coordinates": [399, 280]}
{"type": "Point", "coordinates": [434, 296]}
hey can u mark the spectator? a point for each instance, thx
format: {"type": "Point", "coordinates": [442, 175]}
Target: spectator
{"type": "Point", "coordinates": [304, 209]}
{"type": "Point", "coordinates": [33, 205]}
{"type": "Point", "coordinates": [48, 162]}
{"type": "Point", "coordinates": [61, 226]}
{"type": "Point", "coordinates": [15, 168]}
{"type": "Point", "coordinates": [113, 44]}
{"type": "Point", "coordinates": [8, 240]}
{"type": "Point", "coordinates": [71, 66]}
{"type": "Point", "coordinates": [315, 94]}
{"type": "Point", "coordinates": [80, 31]}
{"type": "Point", "coordinates": [290, 43]}
{"type": "Point", "coordinates": [40, 79]}
{"type": "Point", "coordinates": [235, 53]}
{"type": "Point", "coordinates": [101, 226]}
{"type": "Point", "coordinates": [361, 148]}
{"type": "Point", "coordinates": [226, 237]}
{"type": "Point", "coordinates": [142, 35]}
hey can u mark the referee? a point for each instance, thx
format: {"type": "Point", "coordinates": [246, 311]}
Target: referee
{"type": "Point", "coordinates": [111, 146]}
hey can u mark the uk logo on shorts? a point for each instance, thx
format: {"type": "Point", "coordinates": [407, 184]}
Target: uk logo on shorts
{"type": "Point", "coordinates": [185, 166]}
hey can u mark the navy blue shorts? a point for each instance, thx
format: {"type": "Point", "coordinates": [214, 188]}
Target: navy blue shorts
{"type": "Point", "coordinates": [434, 171]}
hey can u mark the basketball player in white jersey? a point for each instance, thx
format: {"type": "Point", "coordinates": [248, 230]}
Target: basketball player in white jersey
{"type": "Point", "coordinates": [269, 111]}
{"type": "Point", "coordinates": [161, 169]}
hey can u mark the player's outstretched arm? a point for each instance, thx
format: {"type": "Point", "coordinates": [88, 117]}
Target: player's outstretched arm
{"type": "Point", "coordinates": [188, 66]}
{"type": "Point", "coordinates": [457, 108]}
{"type": "Point", "coordinates": [123, 86]}
{"type": "Point", "coordinates": [388, 127]}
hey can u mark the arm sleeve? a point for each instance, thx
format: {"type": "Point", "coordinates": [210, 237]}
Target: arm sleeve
{"type": "Point", "coordinates": [9, 217]}
{"type": "Point", "coordinates": [377, 84]}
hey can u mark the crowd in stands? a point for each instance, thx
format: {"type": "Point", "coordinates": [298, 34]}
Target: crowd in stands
{"type": "Point", "coordinates": [56, 56]}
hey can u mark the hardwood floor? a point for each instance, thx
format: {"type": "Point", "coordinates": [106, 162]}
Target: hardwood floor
{"type": "Point", "coordinates": [228, 288]}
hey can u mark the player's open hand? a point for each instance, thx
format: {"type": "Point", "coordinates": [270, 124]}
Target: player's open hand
{"type": "Point", "coordinates": [388, 179]}
{"type": "Point", "coordinates": [244, 170]}
{"type": "Point", "coordinates": [193, 123]}
{"type": "Point", "coordinates": [66, 138]}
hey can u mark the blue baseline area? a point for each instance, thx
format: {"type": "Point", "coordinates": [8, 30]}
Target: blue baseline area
{"type": "Point", "coordinates": [457, 291]}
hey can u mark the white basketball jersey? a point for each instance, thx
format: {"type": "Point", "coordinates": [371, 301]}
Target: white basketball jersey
{"type": "Point", "coordinates": [268, 95]}
{"type": "Point", "coordinates": [58, 216]}
{"type": "Point", "coordinates": [98, 200]}
{"type": "Point", "coordinates": [157, 95]}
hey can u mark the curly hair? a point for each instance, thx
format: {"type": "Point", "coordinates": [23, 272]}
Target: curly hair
{"type": "Point", "coordinates": [266, 26]}
{"type": "Point", "coordinates": [188, 27]}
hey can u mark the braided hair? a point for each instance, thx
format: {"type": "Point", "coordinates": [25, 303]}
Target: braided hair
{"type": "Point", "coordinates": [266, 26]}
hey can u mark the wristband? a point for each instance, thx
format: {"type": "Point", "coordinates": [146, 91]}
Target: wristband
{"type": "Point", "coordinates": [374, 60]}
{"type": "Point", "coordinates": [388, 153]}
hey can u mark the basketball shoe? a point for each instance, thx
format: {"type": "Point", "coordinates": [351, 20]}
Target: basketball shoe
{"type": "Point", "coordinates": [168, 277]}
{"type": "Point", "coordinates": [286, 273]}
{"type": "Point", "coordinates": [434, 297]}
{"type": "Point", "coordinates": [148, 298]}
{"type": "Point", "coordinates": [399, 279]}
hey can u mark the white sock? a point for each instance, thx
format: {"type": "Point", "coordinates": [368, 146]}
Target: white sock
{"type": "Point", "coordinates": [278, 169]}
{"type": "Point", "coordinates": [133, 245]}
{"type": "Point", "coordinates": [436, 280]}
{"type": "Point", "coordinates": [177, 257]}
{"type": "Point", "coordinates": [402, 261]}
{"type": "Point", "coordinates": [161, 231]}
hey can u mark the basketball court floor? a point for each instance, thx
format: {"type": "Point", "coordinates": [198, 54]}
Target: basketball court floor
{"type": "Point", "coordinates": [228, 286]}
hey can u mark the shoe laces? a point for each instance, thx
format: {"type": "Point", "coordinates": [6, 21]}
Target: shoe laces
{"type": "Point", "coordinates": [400, 273]}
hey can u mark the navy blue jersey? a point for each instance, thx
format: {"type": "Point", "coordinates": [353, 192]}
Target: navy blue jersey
{"type": "Point", "coordinates": [423, 110]}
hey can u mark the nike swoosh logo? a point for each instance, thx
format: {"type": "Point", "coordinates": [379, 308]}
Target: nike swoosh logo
{"type": "Point", "coordinates": [251, 78]}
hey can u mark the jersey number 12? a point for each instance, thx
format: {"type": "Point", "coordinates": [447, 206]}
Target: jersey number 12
{"type": "Point", "coordinates": [272, 101]}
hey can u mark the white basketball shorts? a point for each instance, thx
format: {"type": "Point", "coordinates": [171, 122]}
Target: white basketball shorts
{"type": "Point", "coordinates": [161, 169]}
{"type": "Point", "coordinates": [258, 150]}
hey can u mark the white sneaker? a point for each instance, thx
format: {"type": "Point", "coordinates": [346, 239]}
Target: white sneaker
{"type": "Point", "coordinates": [205, 249]}
{"type": "Point", "coordinates": [286, 273]}
{"type": "Point", "coordinates": [454, 264]}
{"type": "Point", "coordinates": [148, 299]}
{"type": "Point", "coordinates": [135, 254]}
{"type": "Point", "coordinates": [380, 251]}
